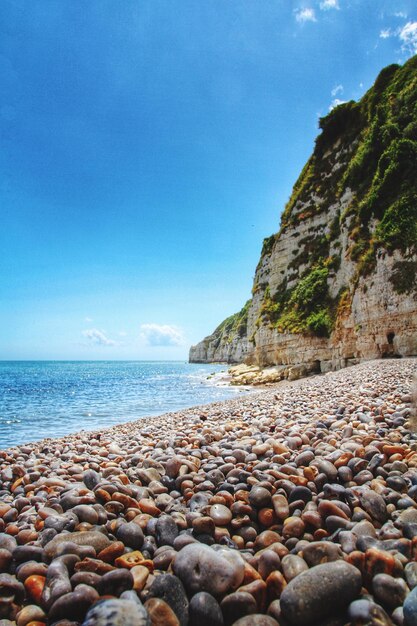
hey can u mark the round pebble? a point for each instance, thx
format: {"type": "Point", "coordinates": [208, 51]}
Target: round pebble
{"type": "Point", "coordinates": [320, 592]}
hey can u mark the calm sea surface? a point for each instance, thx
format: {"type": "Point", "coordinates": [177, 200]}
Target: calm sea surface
{"type": "Point", "coordinates": [52, 398]}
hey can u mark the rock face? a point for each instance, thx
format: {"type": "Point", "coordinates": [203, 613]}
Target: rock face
{"type": "Point", "coordinates": [337, 284]}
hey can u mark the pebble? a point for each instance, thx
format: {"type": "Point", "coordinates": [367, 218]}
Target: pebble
{"type": "Point", "coordinates": [292, 566]}
{"type": "Point", "coordinates": [236, 605]}
{"type": "Point", "coordinates": [126, 611]}
{"type": "Point", "coordinates": [222, 514]}
{"type": "Point", "coordinates": [259, 497]}
{"type": "Point", "coordinates": [202, 568]}
{"type": "Point", "coordinates": [256, 620]}
{"type": "Point", "coordinates": [389, 591]}
{"type": "Point", "coordinates": [170, 589]}
{"type": "Point", "coordinates": [410, 571]}
{"type": "Point", "coordinates": [160, 613]}
{"type": "Point", "coordinates": [166, 531]}
{"type": "Point", "coordinates": [131, 535]}
{"type": "Point", "coordinates": [96, 540]}
{"type": "Point", "coordinates": [410, 608]}
{"type": "Point", "coordinates": [320, 592]}
{"type": "Point", "coordinates": [368, 612]}
{"type": "Point", "coordinates": [204, 610]}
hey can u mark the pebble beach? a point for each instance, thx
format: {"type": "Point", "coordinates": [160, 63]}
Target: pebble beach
{"type": "Point", "coordinates": [291, 506]}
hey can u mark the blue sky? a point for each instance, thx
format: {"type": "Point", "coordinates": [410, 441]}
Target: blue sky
{"type": "Point", "coordinates": [147, 149]}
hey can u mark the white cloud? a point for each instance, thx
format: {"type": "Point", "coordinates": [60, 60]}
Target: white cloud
{"type": "Point", "coordinates": [161, 335]}
{"type": "Point", "coordinates": [408, 37]}
{"type": "Point", "coordinates": [385, 33]}
{"type": "Point", "coordinates": [329, 4]}
{"type": "Point", "coordinates": [98, 337]}
{"type": "Point", "coordinates": [336, 90]}
{"type": "Point", "coordinates": [305, 15]}
{"type": "Point", "coordinates": [401, 14]}
{"type": "Point", "coordinates": [335, 103]}
{"type": "Point", "coordinates": [88, 319]}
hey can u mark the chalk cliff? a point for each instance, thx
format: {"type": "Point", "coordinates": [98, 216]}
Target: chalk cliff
{"type": "Point", "coordinates": [337, 283]}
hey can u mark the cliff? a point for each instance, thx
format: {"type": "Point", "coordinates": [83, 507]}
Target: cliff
{"type": "Point", "coordinates": [337, 283]}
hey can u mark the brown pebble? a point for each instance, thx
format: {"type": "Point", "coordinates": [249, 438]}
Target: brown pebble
{"type": "Point", "coordinates": [236, 605]}
{"type": "Point", "coordinates": [275, 584]}
{"type": "Point", "coordinates": [160, 613]}
{"type": "Point", "coordinates": [29, 614]}
{"type": "Point", "coordinates": [34, 587]}
{"type": "Point", "coordinates": [220, 514]}
{"type": "Point", "coordinates": [130, 559]}
{"type": "Point", "coordinates": [140, 575]}
{"type": "Point", "coordinates": [112, 552]}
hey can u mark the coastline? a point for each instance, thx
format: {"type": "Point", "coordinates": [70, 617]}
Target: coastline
{"type": "Point", "coordinates": [44, 399]}
{"type": "Point", "coordinates": [313, 473]}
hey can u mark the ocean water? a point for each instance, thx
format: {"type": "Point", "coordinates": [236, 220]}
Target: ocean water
{"type": "Point", "coordinates": [53, 398]}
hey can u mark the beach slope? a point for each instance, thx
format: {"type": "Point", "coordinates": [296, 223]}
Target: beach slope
{"type": "Point", "coordinates": [294, 505]}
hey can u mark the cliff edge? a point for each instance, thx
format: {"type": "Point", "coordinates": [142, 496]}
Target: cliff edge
{"type": "Point", "coordinates": [337, 283]}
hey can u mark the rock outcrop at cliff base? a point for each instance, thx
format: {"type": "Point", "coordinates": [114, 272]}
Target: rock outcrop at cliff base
{"type": "Point", "coordinates": [337, 283]}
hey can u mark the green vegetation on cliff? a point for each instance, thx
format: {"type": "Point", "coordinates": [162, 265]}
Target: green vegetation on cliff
{"type": "Point", "coordinates": [235, 325]}
{"type": "Point", "coordinates": [355, 201]}
{"type": "Point", "coordinates": [306, 308]}
{"type": "Point", "coordinates": [369, 147]}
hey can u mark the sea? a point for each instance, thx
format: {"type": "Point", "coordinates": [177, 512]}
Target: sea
{"type": "Point", "coordinates": [41, 399]}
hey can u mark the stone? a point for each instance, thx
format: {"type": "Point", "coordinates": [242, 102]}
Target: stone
{"type": "Point", "coordinates": [318, 552]}
{"type": "Point", "coordinates": [93, 538]}
{"type": "Point", "coordinates": [236, 605]}
{"type": "Point", "coordinates": [73, 605]}
{"type": "Point", "coordinates": [410, 608]}
{"type": "Point", "coordinates": [259, 497]}
{"type": "Point", "coordinates": [268, 562]}
{"type": "Point", "coordinates": [220, 514]}
{"type": "Point", "coordinates": [292, 566]}
{"type": "Point", "coordinates": [11, 589]}
{"type": "Point", "coordinates": [204, 610]}
{"type": "Point", "coordinates": [124, 611]}
{"type": "Point", "coordinates": [115, 583]}
{"type": "Point", "coordinates": [160, 613]}
{"type": "Point", "coordinates": [256, 620]}
{"type": "Point", "coordinates": [216, 570]}
{"type": "Point", "coordinates": [170, 589]}
{"type": "Point", "coordinates": [30, 613]}
{"type": "Point", "coordinates": [374, 504]}
{"type": "Point", "coordinates": [166, 531]}
{"type": "Point", "coordinates": [389, 591]}
{"type": "Point", "coordinates": [411, 574]}
{"type": "Point", "coordinates": [320, 592]}
{"type": "Point", "coordinates": [131, 535]}
{"type": "Point", "coordinates": [368, 612]}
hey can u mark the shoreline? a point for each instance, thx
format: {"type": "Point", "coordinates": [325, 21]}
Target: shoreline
{"type": "Point", "coordinates": [52, 400]}
{"type": "Point", "coordinates": [242, 392]}
{"type": "Point", "coordinates": [277, 489]}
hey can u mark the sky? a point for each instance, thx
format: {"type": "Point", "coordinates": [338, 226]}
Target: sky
{"type": "Point", "coordinates": [148, 147]}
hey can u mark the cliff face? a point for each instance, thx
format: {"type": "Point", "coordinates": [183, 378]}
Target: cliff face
{"type": "Point", "coordinates": [337, 283]}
